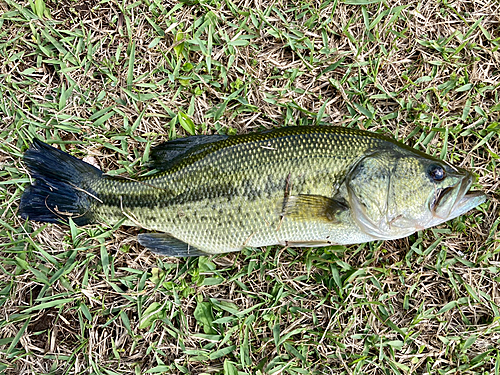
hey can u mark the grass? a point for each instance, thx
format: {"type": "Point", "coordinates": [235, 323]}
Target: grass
{"type": "Point", "coordinates": [107, 80]}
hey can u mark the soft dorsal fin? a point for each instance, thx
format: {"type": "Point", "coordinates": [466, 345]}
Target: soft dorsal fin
{"type": "Point", "coordinates": [314, 207]}
{"type": "Point", "coordinates": [168, 153]}
{"type": "Point", "coordinates": [164, 244]}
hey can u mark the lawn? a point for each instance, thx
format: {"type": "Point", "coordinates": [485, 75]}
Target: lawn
{"type": "Point", "coordinates": [108, 80]}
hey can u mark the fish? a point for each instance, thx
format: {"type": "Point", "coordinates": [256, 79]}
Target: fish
{"type": "Point", "coordinates": [308, 186]}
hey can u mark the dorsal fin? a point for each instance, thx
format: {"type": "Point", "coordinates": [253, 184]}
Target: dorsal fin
{"type": "Point", "coordinates": [169, 153]}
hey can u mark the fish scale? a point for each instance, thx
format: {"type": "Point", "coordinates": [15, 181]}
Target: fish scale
{"type": "Point", "coordinates": [298, 186]}
{"type": "Point", "coordinates": [239, 191]}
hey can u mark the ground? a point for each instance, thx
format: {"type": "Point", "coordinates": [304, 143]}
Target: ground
{"type": "Point", "coordinates": [107, 80]}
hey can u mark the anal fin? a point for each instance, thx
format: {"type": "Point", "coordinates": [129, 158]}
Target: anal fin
{"type": "Point", "coordinates": [164, 244]}
{"type": "Point", "coordinates": [310, 244]}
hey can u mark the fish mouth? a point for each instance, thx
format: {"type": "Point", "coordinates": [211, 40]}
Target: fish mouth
{"type": "Point", "coordinates": [453, 201]}
{"type": "Point", "coordinates": [438, 197]}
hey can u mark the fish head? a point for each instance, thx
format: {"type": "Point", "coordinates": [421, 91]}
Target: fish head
{"type": "Point", "coordinates": [393, 194]}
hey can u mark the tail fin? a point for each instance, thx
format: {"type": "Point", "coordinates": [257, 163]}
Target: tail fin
{"type": "Point", "coordinates": [62, 186]}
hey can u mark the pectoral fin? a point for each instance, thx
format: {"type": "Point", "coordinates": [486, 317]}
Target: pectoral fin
{"type": "Point", "coordinates": [314, 207]}
{"type": "Point", "coordinates": [164, 244]}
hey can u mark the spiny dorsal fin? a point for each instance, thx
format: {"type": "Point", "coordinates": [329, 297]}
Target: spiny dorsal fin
{"type": "Point", "coordinates": [314, 207]}
{"type": "Point", "coordinates": [169, 153]}
{"type": "Point", "coordinates": [164, 244]}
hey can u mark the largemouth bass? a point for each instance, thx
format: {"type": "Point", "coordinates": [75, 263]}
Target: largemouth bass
{"type": "Point", "coordinates": [295, 186]}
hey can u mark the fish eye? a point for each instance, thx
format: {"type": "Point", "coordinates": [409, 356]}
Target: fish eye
{"type": "Point", "coordinates": [436, 172]}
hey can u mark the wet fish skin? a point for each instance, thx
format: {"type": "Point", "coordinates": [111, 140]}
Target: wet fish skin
{"type": "Point", "coordinates": [297, 186]}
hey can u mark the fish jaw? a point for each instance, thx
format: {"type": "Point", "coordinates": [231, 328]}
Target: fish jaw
{"type": "Point", "coordinates": [466, 203]}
